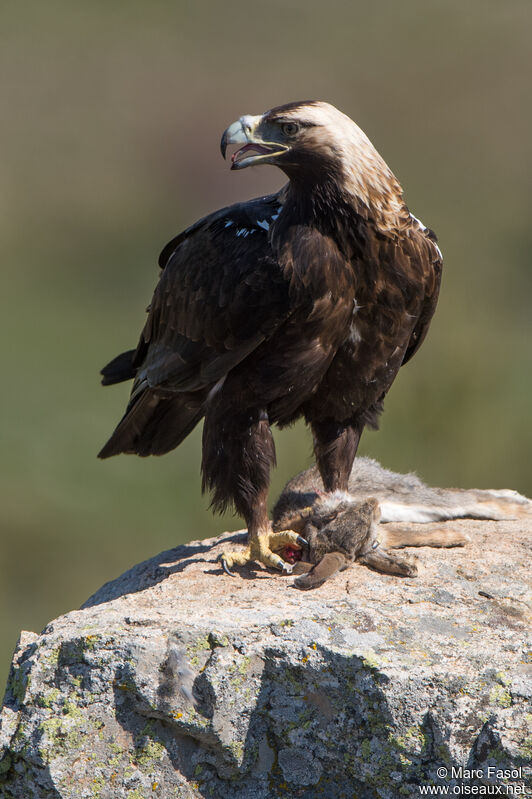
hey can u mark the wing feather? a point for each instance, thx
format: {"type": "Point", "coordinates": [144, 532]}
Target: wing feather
{"type": "Point", "coordinates": [220, 295]}
{"type": "Point", "coordinates": [429, 254]}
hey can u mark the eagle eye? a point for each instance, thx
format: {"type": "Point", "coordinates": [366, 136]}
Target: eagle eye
{"type": "Point", "coordinates": [289, 128]}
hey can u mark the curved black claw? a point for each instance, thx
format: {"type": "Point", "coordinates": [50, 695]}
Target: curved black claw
{"type": "Point", "coordinates": [225, 567]}
{"type": "Point", "coordinates": [302, 541]}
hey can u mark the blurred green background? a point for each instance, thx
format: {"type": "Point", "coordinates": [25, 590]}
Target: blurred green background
{"type": "Point", "coordinates": [111, 115]}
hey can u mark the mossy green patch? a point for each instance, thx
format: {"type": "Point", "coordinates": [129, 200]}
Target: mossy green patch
{"type": "Point", "coordinates": [237, 749]}
{"type": "Point", "coordinates": [500, 695]}
{"type": "Point", "coordinates": [216, 640]}
{"type": "Point", "coordinates": [49, 698]}
{"type": "Point", "coordinates": [51, 657]}
{"type": "Point", "coordinates": [91, 640]}
{"type": "Point", "coordinates": [239, 669]}
{"type": "Point", "coordinates": [294, 676]}
{"type": "Point", "coordinates": [5, 764]}
{"type": "Point", "coordinates": [148, 753]}
{"type": "Point", "coordinates": [525, 750]}
{"type": "Point", "coordinates": [365, 748]}
{"type": "Point", "coordinates": [71, 709]}
{"type": "Point", "coordinates": [98, 784]}
{"type": "Point", "coordinates": [60, 734]}
{"type": "Point", "coordinates": [149, 749]}
{"type": "Point", "coordinates": [502, 678]}
{"type": "Point", "coordinates": [414, 738]}
{"type": "Point", "coordinates": [18, 684]}
{"type": "Point", "coordinates": [370, 660]}
{"type": "Point", "coordinates": [125, 684]}
{"type": "Point", "coordinates": [117, 754]}
{"type": "Point", "coordinates": [194, 650]}
{"type": "Point", "coordinates": [376, 722]}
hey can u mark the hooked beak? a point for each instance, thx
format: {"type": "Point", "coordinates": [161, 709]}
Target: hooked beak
{"type": "Point", "coordinates": [245, 132]}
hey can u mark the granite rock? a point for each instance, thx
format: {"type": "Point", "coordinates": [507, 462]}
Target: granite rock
{"type": "Point", "coordinates": [175, 680]}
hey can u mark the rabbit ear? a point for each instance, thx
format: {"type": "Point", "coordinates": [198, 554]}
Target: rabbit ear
{"type": "Point", "coordinates": [328, 566]}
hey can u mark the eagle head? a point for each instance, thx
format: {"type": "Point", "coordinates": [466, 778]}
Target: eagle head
{"type": "Point", "coordinates": [314, 143]}
{"type": "Point", "coordinates": [288, 136]}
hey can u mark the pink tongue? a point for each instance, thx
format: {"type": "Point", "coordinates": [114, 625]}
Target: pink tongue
{"type": "Point", "coordinates": [246, 148]}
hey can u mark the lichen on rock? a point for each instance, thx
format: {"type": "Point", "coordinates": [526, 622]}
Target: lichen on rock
{"type": "Point", "coordinates": [177, 681]}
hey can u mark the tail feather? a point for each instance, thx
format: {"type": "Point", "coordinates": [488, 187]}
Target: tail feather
{"type": "Point", "coordinates": [152, 425]}
{"type": "Point", "coordinates": [119, 369]}
{"type": "Point", "coordinates": [168, 426]}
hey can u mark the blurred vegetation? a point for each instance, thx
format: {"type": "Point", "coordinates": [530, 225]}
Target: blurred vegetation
{"type": "Point", "coordinates": [111, 116]}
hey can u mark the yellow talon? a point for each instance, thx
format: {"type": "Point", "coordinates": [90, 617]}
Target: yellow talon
{"type": "Point", "coordinates": [263, 549]}
{"type": "Point", "coordinates": [283, 538]}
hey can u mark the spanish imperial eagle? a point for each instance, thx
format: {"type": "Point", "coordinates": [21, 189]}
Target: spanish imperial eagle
{"type": "Point", "coordinates": [304, 303]}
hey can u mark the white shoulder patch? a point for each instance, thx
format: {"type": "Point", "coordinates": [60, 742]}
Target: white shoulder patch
{"type": "Point", "coordinates": [420, 223]}
{"type": "Point", "coordinates": [263, 224]}
{"type": "Point", "coordinates": [424, 227]}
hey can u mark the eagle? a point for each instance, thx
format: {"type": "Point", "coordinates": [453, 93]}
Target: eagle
{"type": "Point", "coordinates": [304, 303]}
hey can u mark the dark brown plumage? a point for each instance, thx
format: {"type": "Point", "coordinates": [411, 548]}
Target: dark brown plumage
{"type": "Point", "coordinates": [303, 303]}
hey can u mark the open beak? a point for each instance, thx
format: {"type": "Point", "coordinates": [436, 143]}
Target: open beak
{"type": "Point", "coordinates": [245, 132]}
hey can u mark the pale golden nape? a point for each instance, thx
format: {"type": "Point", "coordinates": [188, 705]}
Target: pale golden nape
{"type": "Point", "coordinates": [366, 176]}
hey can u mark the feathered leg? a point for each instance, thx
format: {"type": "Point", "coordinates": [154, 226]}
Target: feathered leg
{"type": "Point", "coordinates": [238, 453]}
{"type": "Point", "coordinates": [335, 446]}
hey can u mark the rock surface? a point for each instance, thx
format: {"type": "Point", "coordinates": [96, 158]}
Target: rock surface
{"type": "Point", "coordinates": [176, 681]}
